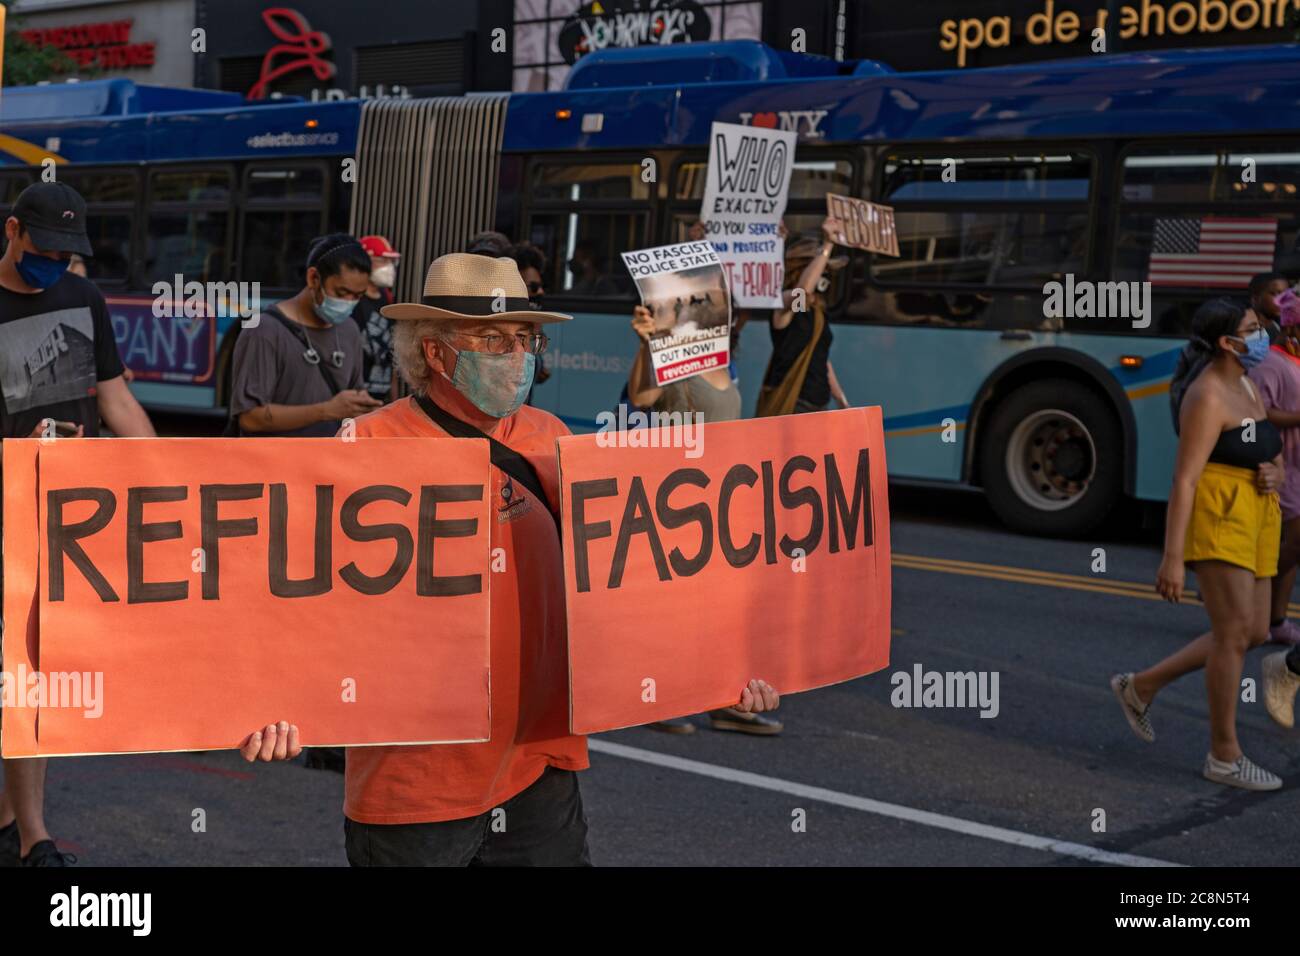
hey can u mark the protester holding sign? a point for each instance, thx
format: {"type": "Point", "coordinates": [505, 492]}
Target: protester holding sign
{"type": "Point", "coordinates": [60, 372]}
{"type": "Point", "coordinates": [515, 799]}
{"type": "Point", "coordinates": [686, 298]}
{"type": "Point", "coordinates": [799, 375]}
{"type": "Point", "coordinates": [712, 395]}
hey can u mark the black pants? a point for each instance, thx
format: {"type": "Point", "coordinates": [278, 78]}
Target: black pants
{"type": "Point", "coordinates": [542, 826]}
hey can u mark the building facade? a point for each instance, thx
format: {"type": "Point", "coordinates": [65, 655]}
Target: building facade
{"type": "Point", "coordinates": [145, 40]}
{"type": "Point", "coordinates": [345, 48]}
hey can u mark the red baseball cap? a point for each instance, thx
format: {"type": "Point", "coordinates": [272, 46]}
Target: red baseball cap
{"type": "Point", "coordinates": [378, 246]}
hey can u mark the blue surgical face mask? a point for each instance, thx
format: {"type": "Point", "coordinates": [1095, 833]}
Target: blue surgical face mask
{"type": "Point", "coordinates": [41, 272]}
{"type": "Point", "coordinates": [1256, 348]}
{"type": "Point", "coordinates": [333, 311]}
{"type": "Point", "coordinates": [496, 384]}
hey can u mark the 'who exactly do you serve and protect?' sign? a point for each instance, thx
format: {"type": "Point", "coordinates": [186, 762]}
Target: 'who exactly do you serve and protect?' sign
{"type": "Point", "coordinates": [745, 193]}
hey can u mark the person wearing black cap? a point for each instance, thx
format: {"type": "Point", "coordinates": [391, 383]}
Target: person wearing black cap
{"type": "Point", "coordinates": [60, 373]}
{"type": "Point", "coordinates": [299, 370]}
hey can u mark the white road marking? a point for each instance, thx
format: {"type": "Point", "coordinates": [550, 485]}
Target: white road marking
{"type": "Point", "coordinates": [879, 807]}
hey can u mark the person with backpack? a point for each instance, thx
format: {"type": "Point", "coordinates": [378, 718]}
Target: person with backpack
{"type": "Point", "coordinates": [299, 368]}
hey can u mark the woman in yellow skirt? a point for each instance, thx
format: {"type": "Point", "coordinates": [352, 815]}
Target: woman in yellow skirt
{"type": "Point", "coordinates": [1225, 522]}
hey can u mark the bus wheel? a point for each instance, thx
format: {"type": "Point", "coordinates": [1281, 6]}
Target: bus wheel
{"type": "Point", "coordinates": [1052, 459]}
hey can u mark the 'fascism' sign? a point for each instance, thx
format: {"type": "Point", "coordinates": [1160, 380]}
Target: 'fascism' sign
{"type": "Point", "coordinates": [767, 556]}
{"type": "Point", "coordinates": [867, 225]}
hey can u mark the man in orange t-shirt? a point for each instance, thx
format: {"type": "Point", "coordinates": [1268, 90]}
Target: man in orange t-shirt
{"type": "Point", "coordinates": [513, 800]}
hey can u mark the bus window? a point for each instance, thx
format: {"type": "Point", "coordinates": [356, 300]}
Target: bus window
{"type": "Point", "coordinates": [1203, 174]}
{"type": "Point", "coordinates": [1037, 178]}
{"type": "Point", "coordinates": [11, 184]}
{"type": "Point", "coordinates": [1198, 221]}
{"type": "Point", "coordinates": [955, 227]}
{"type": "Point", "coordinates": [980, 248]}
{"type": "Point", "coordinates": [585, 182]}
{"type": "Point", "coordinates": [582, 215]}
{"type": "Point", "coordinates": [110, 212]}
{"type": "Point", "coordinates": [274, 250]}
{"type": "Point", "coordinates": [301, 184]}
{"type": "Point", "coordinates": [582, 251]}
{"type": "Point", "coordinates": [203, 185]}
{"type": "Point", "coordinates": [283, 212]}
{"type": "Point", "coordinates": [189, 219]}
{"type": "Point", "coordinates": [810, 179]}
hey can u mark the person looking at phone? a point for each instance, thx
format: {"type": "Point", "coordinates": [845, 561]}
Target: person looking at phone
{"type": "Point", "coordinates": [60, 374]}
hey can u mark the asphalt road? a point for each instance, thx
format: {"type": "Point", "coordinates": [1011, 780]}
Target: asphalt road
{"type": "Point", "coordinates": [876, 784]}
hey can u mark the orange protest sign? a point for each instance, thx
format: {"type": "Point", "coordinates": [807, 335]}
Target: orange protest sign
{"type": "Point", "coordinates": [755, 549]}
{"type": "Point", "coordinates": [867, 225]}
{"type": "Point", "coordinates": [189, 591]}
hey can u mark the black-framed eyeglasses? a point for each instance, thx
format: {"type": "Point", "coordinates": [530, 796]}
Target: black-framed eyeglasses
{"type": "Point", "coordinates": [498, 344]}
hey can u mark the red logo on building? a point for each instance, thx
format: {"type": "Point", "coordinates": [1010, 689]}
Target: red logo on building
{"type": "Point", "coordinates": [304, 46]}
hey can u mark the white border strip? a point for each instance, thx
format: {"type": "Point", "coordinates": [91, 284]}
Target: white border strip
{"type": "Point", "coordinates": [894, 810]}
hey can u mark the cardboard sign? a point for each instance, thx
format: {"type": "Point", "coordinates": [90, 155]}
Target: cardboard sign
{"type": "Point", "coordinates": [766, 556]}
{"type": "Point", "coordinates": [684, 288]}
{"type": "Point", "coordinates": [867, 225]}
{"type": "Point", "coordinates": [745, 191]}
{"type": "Point", "coordinates": [177, 594]}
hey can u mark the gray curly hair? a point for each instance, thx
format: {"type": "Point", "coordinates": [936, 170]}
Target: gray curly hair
{"type": "Point", "coordinates": [408, 349]}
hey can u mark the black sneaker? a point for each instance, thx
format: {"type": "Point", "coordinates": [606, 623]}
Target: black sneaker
{"type": "Point", "coordinates": [10, 845]}
{"type": "Point", "coordinates": [46, 853]}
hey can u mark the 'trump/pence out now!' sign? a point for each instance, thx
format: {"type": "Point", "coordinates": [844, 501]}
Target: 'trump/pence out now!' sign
{"type": "Point", "coordinates": [766, 557]}
{"type": "Point", "coordinates": [745, 192]}
{"type": "Point", "coordinates": [219, 585]}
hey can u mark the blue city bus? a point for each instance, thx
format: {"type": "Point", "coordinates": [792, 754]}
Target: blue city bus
{"type": "Point", "coordinates": [1003, 181]}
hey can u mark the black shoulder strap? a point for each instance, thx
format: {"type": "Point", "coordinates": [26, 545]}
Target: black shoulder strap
{"type": "Point", "coordinates": [503, 457]}
{"type": "Point", "coordinates": [297, 331]}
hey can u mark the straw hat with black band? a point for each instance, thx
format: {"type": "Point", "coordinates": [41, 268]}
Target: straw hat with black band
{"type": "Point", "coordinates": [461, 286]}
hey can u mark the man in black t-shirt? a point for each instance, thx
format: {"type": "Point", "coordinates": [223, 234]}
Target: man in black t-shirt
{"type": "Point", "coordinates": [59, 375]}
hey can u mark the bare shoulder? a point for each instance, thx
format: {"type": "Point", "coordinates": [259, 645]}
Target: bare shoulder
{"type": "Point", "coordinates": [1208, 406]}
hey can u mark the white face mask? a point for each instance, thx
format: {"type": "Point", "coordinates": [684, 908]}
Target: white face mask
{"type": "Point", "coordinates": [384, 276]}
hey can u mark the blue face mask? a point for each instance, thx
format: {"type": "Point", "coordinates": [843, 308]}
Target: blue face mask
{"type": "Point", "coordinates": [333, 311]}
{"type": "Point", "coordinates": [1256, 348]}
{"type": "Point", "coordinates": [496, 384]}
{"type": "Point", "coordinates": [41, 272]}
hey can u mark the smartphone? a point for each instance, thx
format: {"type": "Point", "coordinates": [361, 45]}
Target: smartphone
{"type": "Point", "coordinates": [65, 429]}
